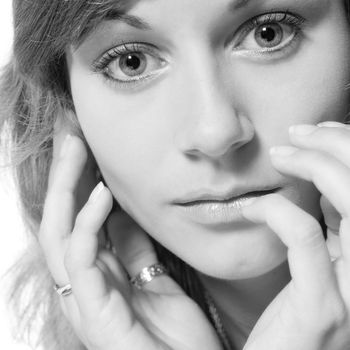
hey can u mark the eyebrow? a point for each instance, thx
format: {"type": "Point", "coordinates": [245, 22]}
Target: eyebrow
{"type": "Point", "coordinates": [238, 4]}
{"type": "Point", "coordinates": [131, 20]}
{"type": "Point", "coordinates": [137, 22]}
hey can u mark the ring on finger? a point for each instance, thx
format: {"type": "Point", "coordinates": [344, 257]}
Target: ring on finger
{"type": "Point", "coordinates": [147, 274]}
{"type": "Point", "coordinates": [63, 291]}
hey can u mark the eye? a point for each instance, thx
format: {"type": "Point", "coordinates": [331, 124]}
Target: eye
{"type": "Point", "coordinates": [271, 35]}
{"type": "Point", "coordinates": [268, 33]}
{"type": "Point", "coordinates": [133, 65]}
{"type": "Point", "coordinates": [130, 63]}
{"type": "Point", "coordinates": [268, 36]}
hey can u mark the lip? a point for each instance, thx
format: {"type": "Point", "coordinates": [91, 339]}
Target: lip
{"type": "Point", "coordinates": [219, 210]}
{"type": "Point", "coordinates": [209, 196]}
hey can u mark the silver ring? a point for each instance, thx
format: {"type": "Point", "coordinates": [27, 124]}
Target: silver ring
{"type": "Point", "coordinates": [63, 291]}
{"type": "Point", "coordinates": [147, 274]}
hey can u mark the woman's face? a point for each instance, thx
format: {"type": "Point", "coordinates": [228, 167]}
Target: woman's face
{"type": "Point", "coordinates": [181, 112]}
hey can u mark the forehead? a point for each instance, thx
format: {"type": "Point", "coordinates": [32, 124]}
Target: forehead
{"type": "Point", "coordinates": [122, 10]}
{"type": "Point", "coordinates": [135, 12]}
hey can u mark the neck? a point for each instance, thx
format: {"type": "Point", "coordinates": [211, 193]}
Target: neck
{"type": "Point", "coordinates": [240, 303]}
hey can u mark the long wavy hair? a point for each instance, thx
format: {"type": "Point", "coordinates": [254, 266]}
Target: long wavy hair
{"type": "Point", "coordinates": [34, 94]}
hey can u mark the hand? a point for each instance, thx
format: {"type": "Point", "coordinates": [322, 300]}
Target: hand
{"type": "Point", "coordinates": [106, 312]}
{"type": "Point", "coordinates": [312, 311]}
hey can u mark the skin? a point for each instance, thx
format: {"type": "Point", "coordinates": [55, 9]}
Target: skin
{"type": "Point", "coordinates": [229, 111]}
{"type": "Point", "coordinates": [231, 108]}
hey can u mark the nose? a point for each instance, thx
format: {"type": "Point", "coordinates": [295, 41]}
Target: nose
{"type": "Point", "coordinates": [213, 125]}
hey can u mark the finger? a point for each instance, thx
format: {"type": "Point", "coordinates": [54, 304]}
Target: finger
{"type": "Point", "coordinates": [88, 178]}
{"type": "Point", "coordinates": [136, 251]}
{"type": "Point", "coordinates": [308, 256]}
{"type": "Point", "coordinates": [111, 263]}
{"type": "Point", "coordinates": [58, 213]}
{"type": "Point", "coordinates": [334, 124]}
{"type": "Point", "coordinates": [67, 303]}
{"type": "Point", "coordinates": [133, 246]}
{"type": "Point", "coordinates": [71, 311]}
{"type": "Point", "coordinates": [330, 137]}
{"type": "Point", "coordinates": [94, 271]}
{"type": "Point", "coordinates": [88, 181]}
{"type": "Point", "coordinates": [332, 220]}
{"type": "Point", "coordinates": [102, 305]}
{"type": "Point", "coordinates": [61, 131]}
{"type": "Point", "coordinates": [329, 175]}
{"type": "Point", "coordinates": [331, 215]}
{"type": "Point", "coordinates": [85, 274]}
{"type": "Point", "coordinates": [344, 236]}
{"type": "Point", "coordinates": [81, 255]}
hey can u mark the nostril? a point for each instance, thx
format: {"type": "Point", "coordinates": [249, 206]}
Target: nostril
{"type": "Point", "coordinates": [216, 140]}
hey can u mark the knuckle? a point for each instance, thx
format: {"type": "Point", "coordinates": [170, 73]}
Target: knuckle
{"type": "Point", "coordinates": [339, 312]}
{"type": "Point", "coordinates": [325, 312]}
{"type": "Point", "coordinates": [334, 314]}
{"type": "Point", "coordinates": [67, 260]}
{"type": "Point", "coordinates": [70, 261]}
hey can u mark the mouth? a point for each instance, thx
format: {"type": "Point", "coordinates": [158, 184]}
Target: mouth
{"type": "Point", "coordinates": [219, 209]}
{"type": "Point", "coordinates": [206, 198]}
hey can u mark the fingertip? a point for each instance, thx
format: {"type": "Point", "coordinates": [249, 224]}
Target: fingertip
{"type": "Point", "coordinates": [257, 209]}
{"type": "Point", "coordinates": [251, 209]}
{"type": "Point", "coordinates": [102, 194]}
{"type": "Point", "coordinates": [247, 203]}
{"type": "Point", "coordinates": [96, 193]}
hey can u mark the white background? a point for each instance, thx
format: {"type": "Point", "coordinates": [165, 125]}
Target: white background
{"type": "Point", "coordinates": [12, 237]}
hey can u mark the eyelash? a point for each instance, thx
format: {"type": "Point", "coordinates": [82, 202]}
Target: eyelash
{"type": "Point", "coordinates": [101, 65]}
{"type": "Point", "coordinates": [295, 21]}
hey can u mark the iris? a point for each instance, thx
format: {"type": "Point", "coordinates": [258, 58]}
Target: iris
{"type": "Point", "coordinates": [269, 35]}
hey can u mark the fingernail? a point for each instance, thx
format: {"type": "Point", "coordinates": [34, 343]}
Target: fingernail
{"type": "Point", "coordinates": [331, 124]}
{"type": "Point", "coordinates": [96, 192]}
{"type": "Point", "coordinates": [283, 151]}
{"type": "Point", "coordinates": [65, 145]}
{"type": "Point", "coordinates": [302, 129]}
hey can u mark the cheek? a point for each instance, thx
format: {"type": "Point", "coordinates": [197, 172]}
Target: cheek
{"type": "Point", "coordinates": [303, 89]}
{"type": "Point", "coordinates": [126, 134]}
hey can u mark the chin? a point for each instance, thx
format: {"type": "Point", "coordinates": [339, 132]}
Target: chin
{"type": "Point", "coordinates": [242, 266]}
{"type": "Point", "coordinates": [242, 272]}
